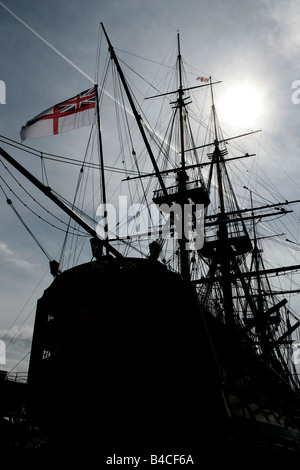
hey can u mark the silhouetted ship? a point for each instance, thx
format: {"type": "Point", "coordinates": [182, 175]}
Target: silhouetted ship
{"type": "Point", "coordinates": [184, 345]}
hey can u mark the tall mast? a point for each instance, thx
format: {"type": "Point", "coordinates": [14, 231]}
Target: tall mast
{"type": "Point", "coordinates": [101, 158]}
{"type": "Point", "coordinates": [225, 250]}
{"type": "Point", "coordinates": [217, 152]}
{"type": "Point", "coordinates": [180, 104]}
{"type": "Point", "coordinates": [261, 321]}
{"type": "Point", "coordinates": [213, 111]}
{"type": "Point", "coordinates": [182, 175]}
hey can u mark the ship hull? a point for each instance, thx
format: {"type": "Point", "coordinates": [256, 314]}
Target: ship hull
{"type": "Point", "coordinates": [124, 357]}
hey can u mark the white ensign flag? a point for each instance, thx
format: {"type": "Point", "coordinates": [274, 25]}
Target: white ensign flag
{"type": "Point", "coordinates": [78, 111]}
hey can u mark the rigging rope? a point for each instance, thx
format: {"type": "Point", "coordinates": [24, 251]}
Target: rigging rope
{"type": "Point", "coordinates": [31, 210]}
{"type": "Point", "coordinates": [9, 202]}
{"type": "Point", "coordinates": [80, 176]}
{"type": "Point", "coordinates": [28, 229]}
{"type": "Point", "coordinates": [60, 158]}
{"type": "Point", "coordinates": [43, 169]}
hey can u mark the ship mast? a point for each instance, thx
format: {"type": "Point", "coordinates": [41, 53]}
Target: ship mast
{"type": "Point", "coordinates": [181, 104]}
{"type": "Point", "coordinates": [224, 251]}
{"type": "Point", "coordinates": [102, 173]}
{"type": "Point", "coordinates": [182, 176]}
{"type": "Point", "coordinates": [228, 256]}
{"type": "Point", "coordinates": [259, 303]}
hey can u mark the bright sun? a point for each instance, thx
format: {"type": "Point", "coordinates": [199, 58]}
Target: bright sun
{"type": "Point", "coordinates": [240, 106]}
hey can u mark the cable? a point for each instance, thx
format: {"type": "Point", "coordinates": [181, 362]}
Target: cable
{"type": "Point", "coordinates": [21, 360]}
{"type": "Point", "coordinates": [61, 158]}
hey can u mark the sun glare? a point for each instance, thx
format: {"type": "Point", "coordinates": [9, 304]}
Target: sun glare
{"type": "Point", "coordinates": [240, 106]}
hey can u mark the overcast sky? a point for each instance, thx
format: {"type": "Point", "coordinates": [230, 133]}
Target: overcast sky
{"type": "Point", "coordinates": [240, 42]}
